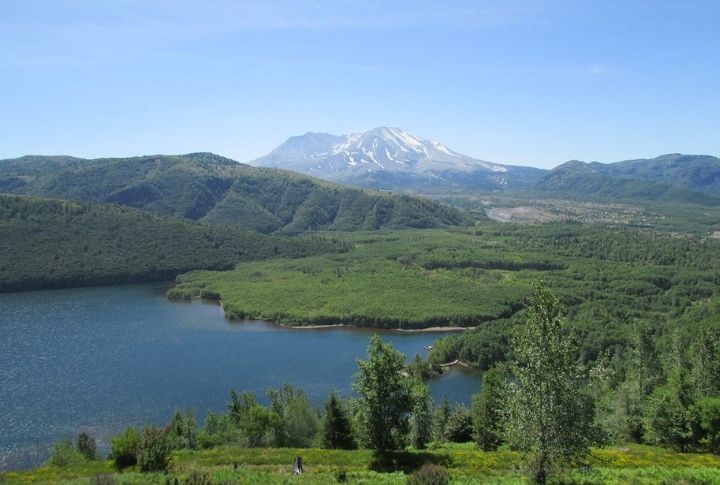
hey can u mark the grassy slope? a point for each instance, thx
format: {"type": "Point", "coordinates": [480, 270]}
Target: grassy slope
{"type": "Point", "coordinates": [50, 243]}
{"type": "Point", "coordinates": [634, 464]}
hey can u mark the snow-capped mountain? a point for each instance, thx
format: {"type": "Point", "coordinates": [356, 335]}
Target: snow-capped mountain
{"type": "Point", "coordinates": [386, 158]}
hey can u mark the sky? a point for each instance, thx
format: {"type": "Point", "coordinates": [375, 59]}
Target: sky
{"type": "Point", "coordinates": [522, 82]}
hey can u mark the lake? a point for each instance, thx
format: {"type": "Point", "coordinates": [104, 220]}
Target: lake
{"type": "Point", "coordinates": [99, 359]}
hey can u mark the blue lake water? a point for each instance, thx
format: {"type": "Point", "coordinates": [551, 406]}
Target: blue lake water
{"type": "Point", "coordinates": [99, 359]}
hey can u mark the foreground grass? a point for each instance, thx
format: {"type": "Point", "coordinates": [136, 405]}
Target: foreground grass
{"type": "Point", "coordinates": [634, 464]}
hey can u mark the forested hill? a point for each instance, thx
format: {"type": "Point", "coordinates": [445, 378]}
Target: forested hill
{"type": "Point", "coordinates": [210, 188]}
{"type": "Point", "coordinates": [51, 243]}
{"type": "Point", "coordinates": [584, 181]}
{"type": "Point", "coordinates": [692, 172]}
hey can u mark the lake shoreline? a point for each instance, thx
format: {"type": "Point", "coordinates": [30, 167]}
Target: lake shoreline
{"type": "Point", "coordinates": [435, 329]}
{"type": "Point", "coordinates": [361, 327]}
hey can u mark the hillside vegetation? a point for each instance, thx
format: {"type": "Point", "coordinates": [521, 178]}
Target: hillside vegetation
{"type": "Point", "coordinates": [210, 188]}
{"type": "Point", "coordinates": [605, 183]}
{"type": "Point", "coordinates": [417, 279]}
{"type": "Point", "coordinates": [52, 243]}
{"type": "Point", "coordinates": [693, 172]}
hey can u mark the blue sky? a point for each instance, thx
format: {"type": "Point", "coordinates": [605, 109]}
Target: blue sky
{"type": "Point", "coordinates": [524, 82]}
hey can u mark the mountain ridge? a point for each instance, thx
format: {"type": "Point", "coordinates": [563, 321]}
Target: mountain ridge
{"type": "Point", "coordinates": [210, 188]}
{"type": "Point", "coordinates": [388, 158]}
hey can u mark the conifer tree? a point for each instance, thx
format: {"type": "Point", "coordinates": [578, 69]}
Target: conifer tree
{"type": "Point", "coordinates": [421, 421]}
{"type": "Point", "coordinates": [705, 352]}
{"type": "Point", "coordinates": [337, 431]}
{"type": "Point", "coordinates": [488, 410]}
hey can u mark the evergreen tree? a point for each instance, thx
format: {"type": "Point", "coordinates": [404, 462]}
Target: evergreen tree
{"type": "Point", "coordinates": [420, 369]}
{"type": "Point", "coordinates": [643, 372]}
{"type": "Point", "coordinates": [705, 352]}
{"type": "Point", "coordinates": [440, 420]}
{"type": "Point", "coordinates": [337, 431]}
{"type": "Point", "coordinates": [488, 410]}
{"type": "Point", "coordinates": [551, 414]}
{"type": "Point", "coordinates": [645, 364]}
{"type": "Point", "coordinates": [86, 445]}
{"type": "Point", "coordinates": [669, 416]}
{"type": "Point", "coordinates": [421, 421]}
{"type": "Point", "coordinates": [385, 400]}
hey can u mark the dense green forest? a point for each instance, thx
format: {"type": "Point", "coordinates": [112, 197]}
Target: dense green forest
{"type": "Point", "coordinates": [583, 181]}
{"type": "Point", "coordinates": [693, 172]}
{"type": "Point", "coordinates": [210, 188]}
{"type": "Point", "coordinates": [52, 243]}
{"type": "Point", "coordinates": [479, 278]}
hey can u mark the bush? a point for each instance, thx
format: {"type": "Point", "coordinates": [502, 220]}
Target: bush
{"type": "Point", "coordinates": [429, 475]}
{"type": "Point", "coordinates": [64, 453]}
{"type": "Point", "coordinates": [154, 451]}
{"type": "Point", "coordinates": [197, 478]}
{"type": "Point", "coordinates": [86, 446]}
{"type": "Point", "coordinates": [341, 475]}
{"type": "Point", "coordinates": [125, 448]}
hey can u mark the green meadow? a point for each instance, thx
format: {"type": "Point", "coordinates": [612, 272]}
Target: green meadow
{"type": "Point", "coordinates": [636, 464]}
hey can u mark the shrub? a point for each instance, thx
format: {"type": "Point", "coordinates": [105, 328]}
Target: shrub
{"type": "Point", "coordinates": [64, 453]}
{"type": "Point", "coordinates": [125, 448]}
{"type": "Point", "coordinates": [341, 476]}
{"type": "Point", "coordinates": [154, 451]}
{"type": "Point", "coordinates": [197, 478]}
{"type": "Point", "coordinates": [487, 411]}
{"type": "Point", "coordinates": [86, 446]}
{"type": "Point", "coordinates": [429, 475]}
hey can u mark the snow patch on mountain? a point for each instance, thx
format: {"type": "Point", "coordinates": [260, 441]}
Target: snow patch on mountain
{"type": "Point", "coordinates": [382, 150]}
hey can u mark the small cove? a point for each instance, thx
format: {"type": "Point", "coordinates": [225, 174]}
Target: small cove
{"type": "Point", "coordinates": [99, 359]}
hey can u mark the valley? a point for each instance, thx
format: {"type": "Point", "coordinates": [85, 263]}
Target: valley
{"type": "Point", "coordinates": [306, 271]}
